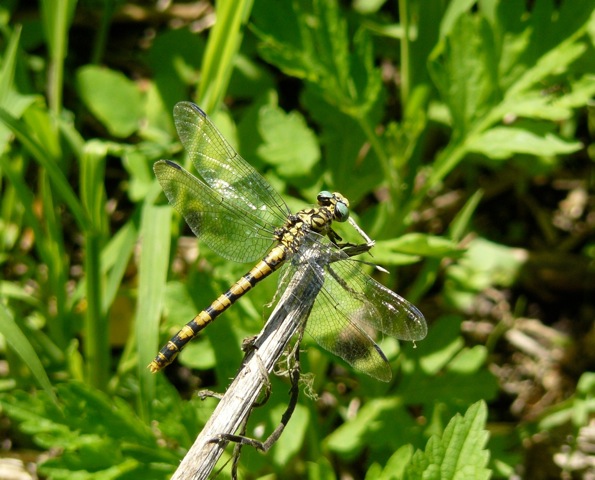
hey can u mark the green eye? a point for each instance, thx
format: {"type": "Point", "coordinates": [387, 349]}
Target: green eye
{"type": "Point", "coordinates": [324, 198]}
{"type": "Point", "coordinates": [341, 212]}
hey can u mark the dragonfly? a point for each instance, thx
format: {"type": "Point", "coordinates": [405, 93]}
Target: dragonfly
{"type": "Point", "coordinates": [238, 214]}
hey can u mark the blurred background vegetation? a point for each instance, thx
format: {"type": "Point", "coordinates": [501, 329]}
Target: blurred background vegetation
{"type": "Point", "coordinates": [461, 133]}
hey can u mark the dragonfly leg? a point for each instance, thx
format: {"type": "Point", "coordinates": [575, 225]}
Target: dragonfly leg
{"type": "Point", "coordinates": [241, 440]}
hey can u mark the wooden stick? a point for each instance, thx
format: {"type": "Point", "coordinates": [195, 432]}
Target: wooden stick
{"type": "Point", "coordinates": [236, 404]}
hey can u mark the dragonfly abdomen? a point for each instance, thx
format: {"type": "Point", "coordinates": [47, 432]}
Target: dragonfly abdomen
{"type": "Point", "coordinates": [271, 262]}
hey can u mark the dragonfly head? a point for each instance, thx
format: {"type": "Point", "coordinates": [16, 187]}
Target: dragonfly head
{"type": "Point", "coordinates": [337, 202]}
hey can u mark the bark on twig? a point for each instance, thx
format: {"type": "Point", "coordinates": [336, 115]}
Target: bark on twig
{"type": "Point", "coordinates": [236, 404]}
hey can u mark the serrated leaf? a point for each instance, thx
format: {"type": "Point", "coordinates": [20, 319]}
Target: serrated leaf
{"type": "Point", "coordinates": [459, 453]}
{"type": "Point", "coordinates": [313, 43]}
{"type": "Point", "coordinates": [395, 467]}
{"type": "Point", "coordinates": [463, 69]}
{"type": "Point", "coordinates": [115, 100]}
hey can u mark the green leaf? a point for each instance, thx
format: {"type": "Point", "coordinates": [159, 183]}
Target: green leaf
{"type": "Point", "coordinates": [463, 69]}
{"type": "Point", "coordinates": [504, 142]}
{"type": "Point", "coordinates": [224, 42]}
{"type": "Point", "coordinates": [381, 424]}
{"type": "Point", "coordinates": [395, 467]}
{"type": "Point", "coordinates": [115, 100]}
{"type": "Point", "coordinates": [10, 99]}
{"type": "Point", "coordinates": [319, 51]}
{"type": "Point", "coordinates": [496, 65]}
{"type": "Point", "coordinates": [442, 344]}
{"type": "Point", "coordinates": [51, 164]}
{"type": "Point", "coordinates": [18, 341]}
{"type": "Point", "coordinates": [412, 246]}
{"type": "Point", "coordinates": [322, 469]}
{"type": "Point", "coordinates": [442, 367]}
{"type": "Point", "coordinates": [485, 264]}
{"type": "Point", "coordinates": [342, 139]}
{"type": "Point", "coordinates": [98, 436]}
{"type": "Point", "coordinates": [292, 440]}
{"type": "Point", "coordinates": [289, 144]}
{"type": "Point", "coordinates": [457, 454]}
{"type": "Point", "coordinates": [154, 262]}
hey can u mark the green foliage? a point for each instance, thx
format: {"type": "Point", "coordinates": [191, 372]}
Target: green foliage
{"type": "Point", "coordinates": [400, 111]}
{"type": "Point", "coordinates": [283, 133]}
{"type": "Point", "coordinates": [458, 453]}
{"type": "Point", "coordinates": [99, 437]}
{"type": "Point", "coordinates": [113, 99]}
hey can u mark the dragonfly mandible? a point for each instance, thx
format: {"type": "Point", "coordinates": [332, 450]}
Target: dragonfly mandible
{"type": "Point", "coordinates": [239, 215]}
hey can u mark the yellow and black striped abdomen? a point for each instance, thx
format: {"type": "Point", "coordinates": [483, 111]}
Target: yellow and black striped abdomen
{"type": "Point", "coordinates": [261, 270]}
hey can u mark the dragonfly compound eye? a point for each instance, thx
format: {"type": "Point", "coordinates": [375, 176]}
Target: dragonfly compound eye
{"type": "Point", "coordinates": [341, 211]}
{"type": "Point", "coordinates": [324, 198]}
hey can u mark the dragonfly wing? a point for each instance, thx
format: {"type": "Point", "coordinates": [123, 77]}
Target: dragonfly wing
{"type": "Point", "coordinates": [335, 332]}
{"type": "Point", "coordinates": [228, 230]}
{"type": "Point", "coordinates": [224, 170]}
{"type": "Point", "coordinates": [351, 307]}
{"type": "Point", "coordinates": [372, 305]}
{"type": "Point", "coordinates": [328, 323]}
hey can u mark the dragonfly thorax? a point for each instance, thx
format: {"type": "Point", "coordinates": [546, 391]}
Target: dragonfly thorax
{"type": "Point", "coordinates": [333, 207]}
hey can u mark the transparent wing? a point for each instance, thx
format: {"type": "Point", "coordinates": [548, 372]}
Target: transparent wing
{"type": "Point", "coordinates": [226, 172]}
{"type": "Point", "coordinates": [222, 224]}
{"type": "Point", "coordinates": [351, 306]}
{"type": "Point", "coordinates": [370, 304]}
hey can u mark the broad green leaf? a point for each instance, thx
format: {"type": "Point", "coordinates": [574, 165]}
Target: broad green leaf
{"type": "Point", "coordinates": [553, 63]}
{"type": "Point", "coordinates": [382, 424]}
{"type": "Point", "coordinates": [455, 10]}
{"type": "Point", "coordinates": [486, 264]}
{"type": "Point", "coordinates": [343, 139]}
{"type": "Point", "coordinates": [497, 65]}
{"type": "Point", "coordinates": [504, 142]}
{"type": "Point", "coordinates": [442, 344]}
{"type": "Point", "coordinates": [115, 100]}
{"type": "Point", "coordinates": [174, 59]}
{"type": "Point", "coordinates": [413, 245]}
{"type": "Point", "coordinates": [289, 144]}
{"type": "Point", "coordinates": [292, 440]}
{"type": "Point", "coordinates": [469, 360]}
